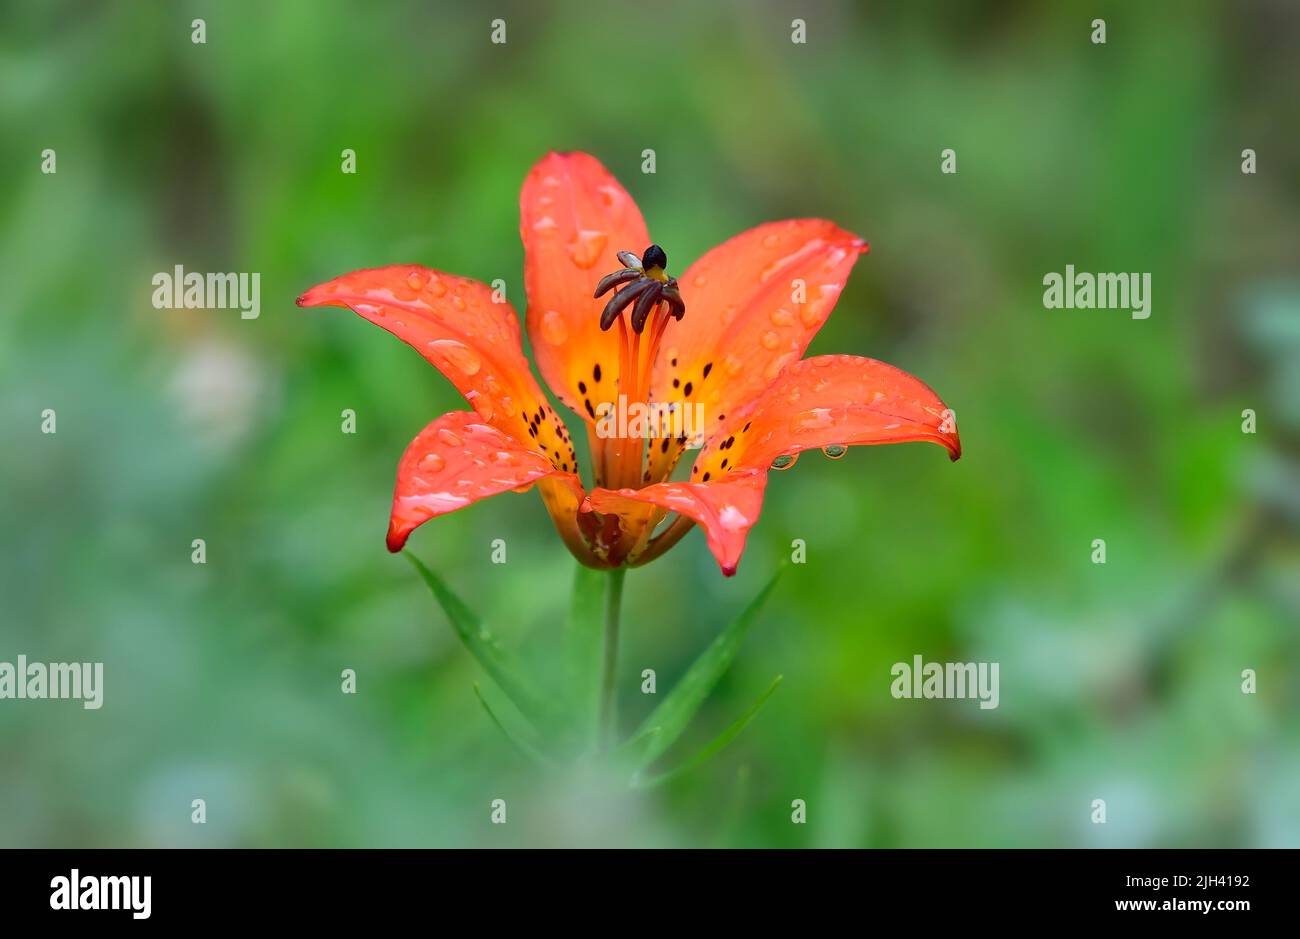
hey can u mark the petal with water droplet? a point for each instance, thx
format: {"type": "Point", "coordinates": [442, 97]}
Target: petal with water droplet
{"type": "Point", "coordinates": [573, 218]}
{"type": "Point", "coordinates": [458, 460]}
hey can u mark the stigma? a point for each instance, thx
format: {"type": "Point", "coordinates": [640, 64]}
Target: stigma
{"type": "Point", "coordinates": [644, 286]}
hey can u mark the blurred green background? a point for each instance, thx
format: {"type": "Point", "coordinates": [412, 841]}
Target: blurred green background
{"type": "Point", "coordinates": [1118, 681]}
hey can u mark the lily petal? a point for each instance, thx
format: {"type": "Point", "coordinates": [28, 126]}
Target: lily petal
{"type": "Point", "coordinates": [725, 509]}
{"type": "Point", "coordinates": [475, 342]}
{"type": "Point", "coordinates": [458, 460]}
{"type": "Point", "coordinates": [753, 304]}
{"type": "Point", "coordinates": [824, 401]}
{"type": "Point", "coordinates": [573, 218]}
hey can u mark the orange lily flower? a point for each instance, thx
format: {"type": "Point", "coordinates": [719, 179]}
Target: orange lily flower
{"type": "Point", "coordinates": [723, 341]}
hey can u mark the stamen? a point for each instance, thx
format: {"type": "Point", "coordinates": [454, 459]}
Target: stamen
{"type": "Point", "coordinates": [622, 300]}
{"type": "Point", "coordinates": [644, 304]}
{"type": "Point", "coordinates": [609, 281]}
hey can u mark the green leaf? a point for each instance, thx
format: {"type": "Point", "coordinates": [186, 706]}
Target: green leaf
{"type": "Point", "coordinates": [676, 710]}
{"type": "Point", "coordinates": [503, 668]}
{"type": "Point", "coordinates": [583, 640]}
{"type": "Point", "coordinates": [714, 746]}
{"type": "Point", "coordinates": [530, 750]}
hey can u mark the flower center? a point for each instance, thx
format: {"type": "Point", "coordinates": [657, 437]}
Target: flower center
{"type": "Point", "coordinates": [653, 298]}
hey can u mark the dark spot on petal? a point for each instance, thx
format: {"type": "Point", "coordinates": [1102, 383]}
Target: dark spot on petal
{"type": "Point", "coordinates": [673, 363]}
{"type": "Point", "coordinates": [724, 463]}
{"type": "Point", "coordinates": [708, 368]}
{"type": "Point", "coordinates": [663, 447]}
{"type": "Point", "coordinates": [705, 477]}
{"type": "Point", "coordinates": [746, 427]}
{"type": "Point", "coordinates": [687, 390]}
{"type": "Point", "coordinates": [595, 372]}
{"type": "Point", "coordinates": [582, 387]}
{"type": "Point", "coordinates": [590, 410]}
{"type": "Point", "coordinates": [676, 382]}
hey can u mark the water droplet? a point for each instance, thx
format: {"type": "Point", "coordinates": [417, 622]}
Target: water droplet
{"type": "Point", "coordinates": [781, 317]}
{"type": "Point", "coordinates": [415, 280]}
{"type": "Point", "coordinates": [732, 365]}
{"type": "Point", "coordinates": [504, 458]}
{"type": "Point", "coordinates": [835, 451]}
{"type": "Point", "coordinates": [778, 365]}
{"type": "Point", "coordinates": [508, 407]}
{"type": "Point", "coordinates": [770, 241]}
{"type": "Point", "coordinates": [448, 438]}
{"type": "Point", "coordinates": [553, 329]}
{"type": "Point", "coordinates": [785, 461]}
{"type": "Point", "coordinates": [458, 355]}
{"type": "Point", "coordinates": [731, 518]}
{"type": "Point", "coordinates": [458, 302]}
{"type": "Point", "coordinates": [700, 280]}
{"type": "Point", "coordinates": [437, 287]}
{"type": "Point", "coordinates": [586, 248]}
{"type": "Point", "coordinates": [545, 224]}
{"type": "Point", "coordinates": [432, 463]}
{"type": "Point", "coordinates": [813, 419]}
{"type": "Point", "coordinates": [770, 339]}
{"type": "Point", "coordinates": [729, 314]}
{"type": "Point", "coordinates": [481, 404]}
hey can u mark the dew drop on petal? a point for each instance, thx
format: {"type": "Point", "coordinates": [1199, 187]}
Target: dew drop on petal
{"type": "Point", "coordinates": [813, 419]}
{"type": "Point", "coordinates": [770, 241]}
{"type": "Point", "coordinates": [448, 438]}
{"type": "Point", "coordinates": [732, 365]}
{"type": "Point", "coordinates": [777, 365]}
{"type": "Point", "coordinates": [437, 287]}
{"type": "Point", "coordinates": [785, 461]}
{"type": "Point", "coordinates": [586, 248]}
{"type": "Point", "coordinates": [731, 518]}
{"type": "Point", "coordinates": [545, 224]}
{"type": "Point", "coordinates": [835, 451]}
{"type": "Point", "coordinates": [770, 339]}
{"type": "Point", "coordinates": [460, 356]}
{"type": "Point", "coordinates": [458, 302]}
{"type": "Point", "coordinates": [432, 463]}
{"type": "Point", "coordinates": [781, 317]}
{"type": "Point", "coordinates": [553, 329]}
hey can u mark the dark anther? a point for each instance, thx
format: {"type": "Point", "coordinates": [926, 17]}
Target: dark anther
{"type": "Point", "coordinates": [609, 281]}
{"type": "Point", "coordinates": [654, 256]}
{"type": "Point", "coordinates": [620, 301]}
{"type": "Point", "coordinates": [644, 304]}
{"type": "Point", "coordinates": [673, 296]}
{"type": "Point", "coordinates": [644, 281]}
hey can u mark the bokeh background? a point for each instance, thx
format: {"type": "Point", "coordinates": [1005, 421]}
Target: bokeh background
{"type": "Point", "coordinates": [1119, 681]}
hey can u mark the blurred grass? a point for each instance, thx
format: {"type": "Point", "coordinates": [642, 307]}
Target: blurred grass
{"type": "Point", "coordinates": [222, 681]}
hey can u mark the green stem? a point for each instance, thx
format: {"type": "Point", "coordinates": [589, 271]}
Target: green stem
{"type": "Point", "coordinates": [608, 700]}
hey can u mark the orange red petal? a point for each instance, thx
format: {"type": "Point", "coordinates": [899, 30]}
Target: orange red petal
{"type": "Point", "coordinates": [819, 402]}
{"type": "Point", "coordinates": [753, 304]}
{"type": "Point", "coordinates": [725, 509]}
{"type": "Point", "coordinates": [457, 325]}
{"type": "Point", "coordinates": [458, 460]}
{"type": "Point", "coordinates": [573, 218]}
